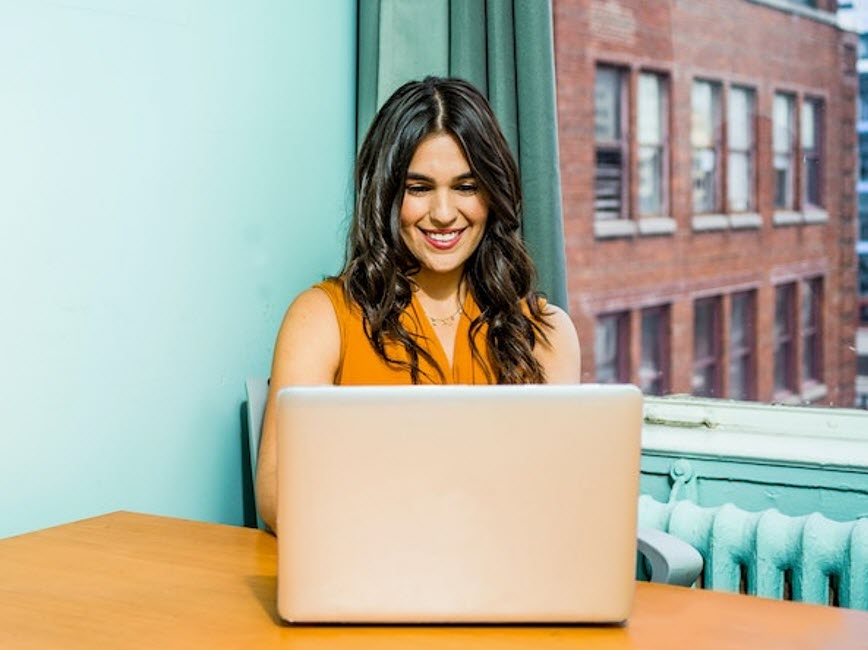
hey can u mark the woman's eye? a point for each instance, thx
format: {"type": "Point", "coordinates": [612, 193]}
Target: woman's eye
{"type": "Point", "coordinates": [416, 189]}
{"type": "Point", "coordinates": [467, 188]}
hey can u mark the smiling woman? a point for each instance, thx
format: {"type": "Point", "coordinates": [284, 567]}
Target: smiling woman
{"type": "Point", "coordinates": [437, 286]}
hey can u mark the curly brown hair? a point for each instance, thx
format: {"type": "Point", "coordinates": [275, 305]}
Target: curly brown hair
{"type": "Point", "coordinates": [379, 268]}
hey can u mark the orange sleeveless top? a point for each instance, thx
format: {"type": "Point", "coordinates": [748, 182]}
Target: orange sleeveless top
{"type": "Point", "coordinates": [361, 365]}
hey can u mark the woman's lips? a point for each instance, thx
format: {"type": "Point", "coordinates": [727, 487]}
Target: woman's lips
{"type": "Point", "coordinates": [442, 239]}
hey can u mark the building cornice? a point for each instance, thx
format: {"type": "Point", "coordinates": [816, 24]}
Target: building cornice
{"type": "Point", "coordinates": [819, 15]}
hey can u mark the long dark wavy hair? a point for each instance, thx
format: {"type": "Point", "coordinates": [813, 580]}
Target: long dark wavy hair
{"type": "Point", "coordinates": [379, 268]}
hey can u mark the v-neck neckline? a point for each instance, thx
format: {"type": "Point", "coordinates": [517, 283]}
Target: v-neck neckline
{"type": "Point", "coordinates": [436, 348]}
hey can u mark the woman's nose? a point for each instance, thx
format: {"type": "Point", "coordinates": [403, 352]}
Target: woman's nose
{"type": "Point", "coordinates": [442, 209]}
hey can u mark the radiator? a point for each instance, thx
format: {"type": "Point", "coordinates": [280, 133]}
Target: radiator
{"type": "Point", "coordinates": [810, 558]}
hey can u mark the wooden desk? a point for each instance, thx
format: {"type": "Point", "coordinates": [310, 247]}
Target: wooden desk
{"type": "Point", "coordinates": [139, 581]}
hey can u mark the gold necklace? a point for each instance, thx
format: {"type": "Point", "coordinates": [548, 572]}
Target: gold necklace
{"type": "Point", "coordinates": [445, 320]}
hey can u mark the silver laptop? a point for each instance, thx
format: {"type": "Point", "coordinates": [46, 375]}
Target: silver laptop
{"type": "Point", "coordinates": [457, 504]}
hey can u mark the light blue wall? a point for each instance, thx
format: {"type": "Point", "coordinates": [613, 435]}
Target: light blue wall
{"type": "Point", "coordinates": [172, 172]}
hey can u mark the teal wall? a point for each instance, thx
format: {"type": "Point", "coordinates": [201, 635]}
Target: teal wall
{"type": "Point", "coordinates": [172, 172]}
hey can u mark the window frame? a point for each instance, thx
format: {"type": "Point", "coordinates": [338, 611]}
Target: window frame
{"type": "Point", "coordinates": [662, 147]}
{"type": "Point", "coordinates": [621, 320]}
{"type": "Point", "coordinates": [621, 145]}
{"type": "Point", "coordinates": [715, 359]}
{"type": "Point", "coordinates": [662, 344]}
{"type": "Point", "coordinates": [747, 348]}
{"type": "Point", "coordinates": [715, 205]}
{"type": "Point", "coordinates": [750, 152]}
{"type": "Point", "coordinates": [814, 154]}
{"type": "Point", "coordinates": [784, 343]}
{"type": "Point", "coordinates": [811, 334]}
{"type": "Point", "coordinates": [789, 202]}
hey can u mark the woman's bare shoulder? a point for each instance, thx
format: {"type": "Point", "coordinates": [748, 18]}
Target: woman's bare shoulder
{"type": "Point", "coordinates": [561, 355]}
{"type": "Point", "coordinates": [308, 344]}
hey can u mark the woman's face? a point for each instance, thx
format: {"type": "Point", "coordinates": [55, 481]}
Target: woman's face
{"type": "Point", "coordinates": [444, 210]}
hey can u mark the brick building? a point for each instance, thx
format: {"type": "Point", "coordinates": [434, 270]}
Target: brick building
{"type": "Point", "coordinates": [707, 158]}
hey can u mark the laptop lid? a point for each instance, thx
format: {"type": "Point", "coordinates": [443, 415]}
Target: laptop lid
{"type": "Point", "coordinates": [457, 503]}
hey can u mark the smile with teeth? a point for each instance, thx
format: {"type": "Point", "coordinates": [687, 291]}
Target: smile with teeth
{"type": "Point", "coordinates": [442, 238]}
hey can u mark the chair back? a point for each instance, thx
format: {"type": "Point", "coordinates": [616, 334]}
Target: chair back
{"type": "Point", "coordinates": [257, 396]}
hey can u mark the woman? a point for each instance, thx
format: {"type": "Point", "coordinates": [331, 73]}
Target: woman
{"type": "Point", "coordinates": [437, 286]}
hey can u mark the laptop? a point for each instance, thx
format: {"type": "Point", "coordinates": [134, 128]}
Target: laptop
{"type": "Point", "coordinates": [457, 504]}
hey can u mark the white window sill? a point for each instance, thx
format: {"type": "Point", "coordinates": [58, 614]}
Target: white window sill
{"type": "Point", "coordinates": [656, 225]}
{"type": "Point", "coordinates": [716, 428]}
{"type": "Point", "coordinates": [816, 215]}
{"type": "Point", "coordinates": [745, 220]}
{"type": "Point", "coordinates": [611, 228]}
{"type": "Point", "coordinates": [709, 222]}
{"type": "Point", "coordinates": [813, 391]}
{"type": "Point", "coordinates": [787, 218]}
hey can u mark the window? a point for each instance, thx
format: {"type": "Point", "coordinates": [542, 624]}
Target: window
{"type": "Point", "coordinates": [811, 330]}
{"type": "Point", "coordinates": [863, 156]}
{"type": "Point", "coordinates": [784, 376]}
{"type": "Point", "coordinates": [610, 180]}
{"type": "Point", "coordinates": [706, 347]}
{"type": "Point", "coordinates": [611, 349]}
{"type": "Point", "coordinates": [741, 345]}
{"type": "Point", "coordinates": [863, 216]}
{"type": "Point", "coordinates": [740, 141]}
{"type": "Point", "coordinates": [705, 140]}
{"type": "Point", "coordinates": [863, 46]}
{"type": "Point", "coordinates": [812, 144]}
{"type": "Point", "coordinates": [651, 138]}
{"type": "Point", "coordinates": [863, 96]}
{"type": "Point", "coordinates": [654, 367]}
{"type": "Point", "coordinates": [782, 143]}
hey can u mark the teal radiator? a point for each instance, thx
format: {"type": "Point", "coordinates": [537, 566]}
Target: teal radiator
{"type": "Point", "coordinates": [810, 558]}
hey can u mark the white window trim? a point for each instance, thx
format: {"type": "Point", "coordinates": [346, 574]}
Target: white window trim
{"type": "Point", "coordinates": [711, 428]}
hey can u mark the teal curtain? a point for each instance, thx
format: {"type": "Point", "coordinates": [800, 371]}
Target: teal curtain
{"type": "Point", "coordinates": [505, 48]}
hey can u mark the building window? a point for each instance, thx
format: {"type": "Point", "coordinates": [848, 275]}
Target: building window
{"type": "Point", "coordinates": [705, 140]}
{"type": "Point", "coordinates": [611, 349]}
{"type": "Point", "coordinates": [811, 331]}
{"type": "Point", "coordinates": [741, 345]}
{"type": "Point", "coordinates": [782, 142]}
{"type": "Point", "coordinates": [863, 216]}
{"type": "Point", "coordinates": [706, 347]}
{"type": "Point", "coordinates": [654, 368]}
{"type": "Point", "coordinates": [863, 156]}
{"type": "Point", "coordinates": [812, 146]}
{"type": "Point", "coordinates": [863, 46]}
{"type": "Point", "coordinates": [652, 111]}
{"type": "Point", "coordinates": [863, 97]}
{"type": "Point", "coordinates": [740, 157]}
{"type": "Point", "coordinates": [610, 133]}
{"type": "Point", "coordinates": [785, 300]}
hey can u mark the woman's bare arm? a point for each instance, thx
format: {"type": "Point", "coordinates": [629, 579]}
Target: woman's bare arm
{"type": "Point", "coordinates": [307, 352]}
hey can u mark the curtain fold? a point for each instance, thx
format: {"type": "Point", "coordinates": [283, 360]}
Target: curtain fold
{"type": "Point", "coordinates": [505, 48]}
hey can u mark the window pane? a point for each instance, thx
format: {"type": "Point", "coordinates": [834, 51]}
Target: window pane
{"type": "Point", "coordinates": [650, 109]}
{"type": "Point", "coordinates": [702, 122]}
{"type": "Point", "coordinates": [606, 349]}
{"type": "Point", "coordinates": [812, 180]}
{"type": "Point", "coordinates": [703, 314]}
{"type": "Point", "coordinates": [863, 94]}
{"type": "Point", "coordinates": [704, 194]}
{"type": "Point", "coordinates": [650, 180]}
{"type": "Point", "coordinates": [783, 181]}
{"type": "Point", "coordinates": [782, 138]}
{"type": "Point", "coordinates": [739, 373]}
{"type": "Point", "coordinates": [607, 104]}
{"type": "Point", "coordinates": [783, 371]}
{"type": "Point", "coordinates": [809, 135]}
{"type": "Point", "coordinates": [739, 181]}
{"type": "Point", "coordinates": [740, 133]}
{"type": "Point", "coordinates": [651, 374]}
{"type": "Point", "coordinates": [608, 184]}
{"type": "Point", "coordinates": [863, 156]}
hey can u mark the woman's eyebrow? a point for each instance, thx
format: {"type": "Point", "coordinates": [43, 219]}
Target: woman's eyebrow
{"type": "Point", "coordinates": [415, 176]}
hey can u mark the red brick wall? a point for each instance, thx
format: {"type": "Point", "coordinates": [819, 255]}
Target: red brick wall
{"type": "Point", "coordinates": [731, 41]}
